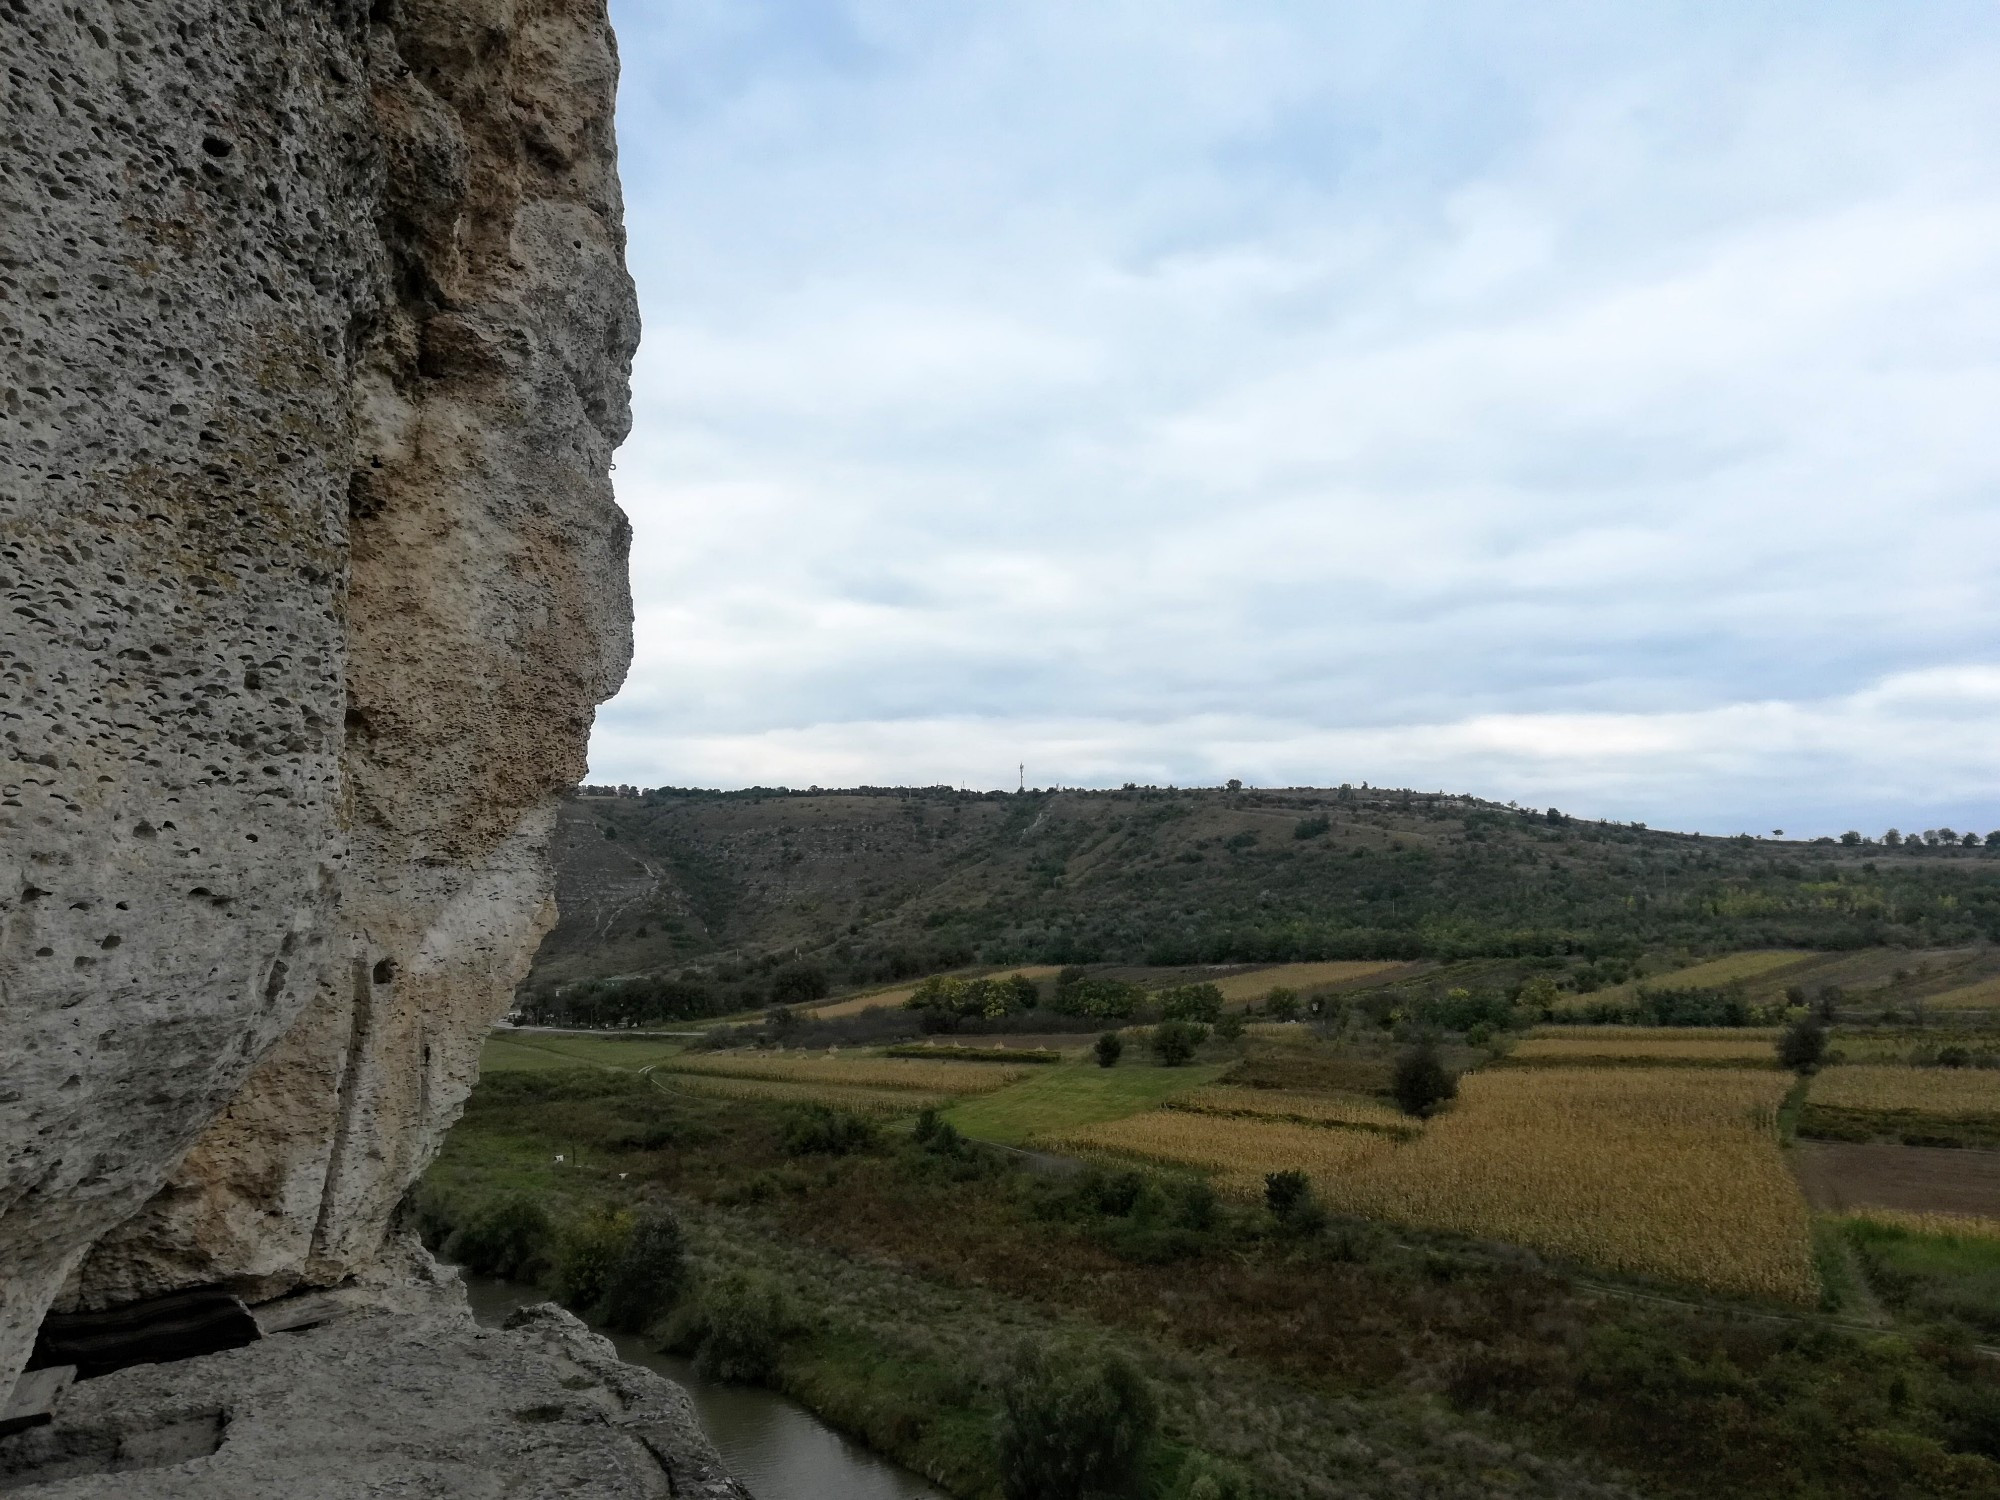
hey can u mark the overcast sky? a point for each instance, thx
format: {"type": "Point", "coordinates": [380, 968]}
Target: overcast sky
{"type": "Point", "coordinates": [1587, 404]}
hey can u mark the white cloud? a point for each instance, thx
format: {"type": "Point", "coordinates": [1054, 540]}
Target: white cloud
{"type": "Point", "coordinates": [1925, 744]}
{"type": "Point", "coordinates": [1288, 385]}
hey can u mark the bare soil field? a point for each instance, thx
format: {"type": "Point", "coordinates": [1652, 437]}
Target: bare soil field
{"type": "Point", "coordinates": [1838, 1177]}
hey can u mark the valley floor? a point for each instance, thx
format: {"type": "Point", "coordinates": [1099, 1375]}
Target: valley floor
{"type": "Point", "coordinates": [885, 1278]}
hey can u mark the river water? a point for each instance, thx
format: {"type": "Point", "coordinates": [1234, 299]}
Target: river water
{"type": "Point", "coordinates": [773, 1445]}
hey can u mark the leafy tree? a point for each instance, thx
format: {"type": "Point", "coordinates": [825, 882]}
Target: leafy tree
{"type": "Point", "coordinates": [1993, 839]}
{"type": "Point", "coordinates": [1074, 1426]}
{"type": "Point", "coordinates": [511, 1238]}
{"type": "Point", "coordinates": [737, 1327]}
{"type": "Point", "coordinates": [1539, 994]}
{"type": "Point", "coordinates": [1022, 992]}
{"type": "Point", "coordinates": [1851, 837]}
{"type": "Point", "coordinates": [1191, 1002]}
{"type": "Point", "coordinates": [1892, 838]}
{"type": "Point", "coordinates": [1282, 1004]}
{"type": "Point", "coordinates": [1174, 1042]}
{"type": "Point", "coordinates": [1110, 1047]}
{"type": "Point", "coordinates": [1422, 1081]}
{"type": "Point", "coordinates": [649, 1275]}
{"type": "Point", "coordinates": [588, 1253]}
{"type": "Point", "coordinates": [1803, 1044]}
{"type": "Point", "coordinates": [1229, 1025]}
{"type": "Point", "coordinates": [795, 984]}
{"type": "Point", "coordinates": [1106, 999]}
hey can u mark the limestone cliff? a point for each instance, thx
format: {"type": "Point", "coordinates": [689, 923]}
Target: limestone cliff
{"type": "Point", "coordinates": [314, 336]}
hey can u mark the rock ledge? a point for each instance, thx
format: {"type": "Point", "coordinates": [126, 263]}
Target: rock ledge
{"type": "Point", "coordinates": [408, 1398]}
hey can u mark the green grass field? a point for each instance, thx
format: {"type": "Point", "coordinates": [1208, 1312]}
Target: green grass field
{"type": "Point", "coordinates": [1077, 1093]}
{"type": "Point", "coordinates": [514, 1052]}
{"type": "Point", "coordinates": [1931, 1276]}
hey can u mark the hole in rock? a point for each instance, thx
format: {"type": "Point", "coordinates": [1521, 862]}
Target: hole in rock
{"type": "Point", "coordinates": [151, 1440]}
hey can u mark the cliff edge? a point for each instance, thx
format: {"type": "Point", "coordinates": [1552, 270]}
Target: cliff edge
{"type": "Point", "coordinates": [314, 342]}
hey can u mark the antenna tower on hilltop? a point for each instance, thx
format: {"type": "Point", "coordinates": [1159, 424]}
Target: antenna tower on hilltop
{"type": "Point", "coordinates": [1024, 776]}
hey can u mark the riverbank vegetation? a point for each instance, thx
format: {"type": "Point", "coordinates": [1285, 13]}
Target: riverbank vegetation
{"type": "Point", "coordinates": [1362, 1329]}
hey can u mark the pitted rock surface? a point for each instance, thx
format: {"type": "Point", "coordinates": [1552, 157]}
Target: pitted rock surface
{"type": "Point", "coordinates": [314, 338]}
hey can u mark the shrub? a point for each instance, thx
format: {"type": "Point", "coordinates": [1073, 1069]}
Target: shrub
{"type": "Point", "coordinates": [1803, 1044]}
{"type": "Point", "coordinates": [818, 1130]}
{"type": "Point", "coordinates": [1074, 1425]}
{"type": "Point", "coordinates": [945, 1140]}
{"type": "Point", "coordinates": [737, 1328]}
{"type": "Point", "coordinates": [511, 1238]}
{"type": "Point", "coordinates": [1109, 1048]}
{"type": "Point", "coordinates": [1230, 1026]}
{"type": "Point", "coordinates": [1174, 1042]}
{"type": "Point", "coordinates": [1289, 1197]}
{"type": "Point", "coordinates": [1282, 1004]}
{"type": "Point", "coordinates": [1110, 1192]}
{"type": "Point", "coordinates": [649, 1276]}
{"type": "Point", "coordinates": [588, 1256]}
{"type": "Point", "coordinates": [1195, 1205]}
{"type": "Point", "coordinates": [1422, 1081]}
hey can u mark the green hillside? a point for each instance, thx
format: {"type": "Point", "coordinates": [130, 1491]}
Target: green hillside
{"type": "Point", "coordinates": [873, 885]}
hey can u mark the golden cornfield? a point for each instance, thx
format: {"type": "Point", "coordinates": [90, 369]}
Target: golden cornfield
{"type": "Point", "coordinates": [1239, 1150]}
{"type": "Point", "coordinates": [1298, 1105]}
{"type": "Point", "coordinates": [1669, 1172]}
{"type": "Point", "coordinates": [1952, 1093]}
{"type": "Point", "coordinates": [859, 1072]}
{"type": "Point", "coordinates": [1612, 1045]}
{"type": "Point", "coordinates": [1980, 995]}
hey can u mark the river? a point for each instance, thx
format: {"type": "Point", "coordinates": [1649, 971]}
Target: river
{"type": "Point", "coordinates": [772, 1444]}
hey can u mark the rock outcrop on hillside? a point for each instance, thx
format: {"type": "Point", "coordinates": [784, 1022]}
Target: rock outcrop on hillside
{"type": "Point", "coordinates": [314, 337]}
